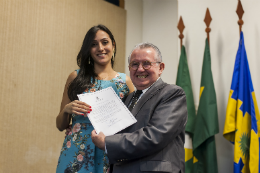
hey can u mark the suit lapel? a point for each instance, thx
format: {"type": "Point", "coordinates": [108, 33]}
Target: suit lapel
{"type": "Point", "coordinates": [158, 85]}
{"type": "Point", "coordinates": [128, 99]}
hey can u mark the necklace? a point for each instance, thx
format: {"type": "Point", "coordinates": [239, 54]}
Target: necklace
{"type": "Point", "coordinates": [103, 78]}
{"type": "Point", "coordinates": [107, 76]}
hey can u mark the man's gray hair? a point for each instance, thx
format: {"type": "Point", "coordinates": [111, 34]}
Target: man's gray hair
{"type": "Point", "coordinates": [158, 57]}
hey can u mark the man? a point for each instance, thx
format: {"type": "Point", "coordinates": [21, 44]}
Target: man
{"type": "Point", "coordinates": [156, 142]}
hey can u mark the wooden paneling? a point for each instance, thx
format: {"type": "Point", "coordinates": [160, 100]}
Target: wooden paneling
{"type": "Point", "coordinates": [39, 42]}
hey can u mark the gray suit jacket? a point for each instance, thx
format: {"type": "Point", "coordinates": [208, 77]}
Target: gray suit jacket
{"type": "Point", "coordinates": [156, 142]}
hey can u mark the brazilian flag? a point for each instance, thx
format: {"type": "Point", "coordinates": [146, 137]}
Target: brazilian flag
{"type": "Point", "coordinates": [206, 122]}
{"type": "Point", "coordinates": [183, 80]}
{"type": "Point", "coordinates": [242, 116]}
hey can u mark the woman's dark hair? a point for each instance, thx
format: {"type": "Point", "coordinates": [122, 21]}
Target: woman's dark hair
{"type": "Point", "coordinates": [86, 75]}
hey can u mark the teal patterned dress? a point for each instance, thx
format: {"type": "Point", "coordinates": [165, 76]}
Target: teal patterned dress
{"type": "Point", "coordinates": [78, 153]}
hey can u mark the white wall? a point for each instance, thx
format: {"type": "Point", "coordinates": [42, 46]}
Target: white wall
{"type": "Point", "coordinates": [160, 28]}
{"type": "Point", "coordinates": [224, 38]}
{"type": "Point", "coordinates": [156, 22]}
{"type": "Point", "coordinates": [134, 26]}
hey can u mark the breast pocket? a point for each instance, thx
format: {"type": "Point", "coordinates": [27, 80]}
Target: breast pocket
{"type": "Point", "coordinates": [156, 166]}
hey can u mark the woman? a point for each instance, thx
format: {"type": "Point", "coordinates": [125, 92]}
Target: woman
{"type": "Point", "coordinates": [95, 59]}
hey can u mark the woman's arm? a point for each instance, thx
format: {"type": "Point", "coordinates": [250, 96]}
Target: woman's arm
{"type": "Point", "coordinates": [67, 107]}
{"type": "Point", "coordinates": [129, 84]}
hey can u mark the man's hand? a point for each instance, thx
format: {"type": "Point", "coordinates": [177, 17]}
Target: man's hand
{"type": "Point", "coordinates": [98, 140]}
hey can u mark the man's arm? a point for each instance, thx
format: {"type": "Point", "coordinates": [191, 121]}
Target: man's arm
{"type": "Point", "coordinates": [166, 123]}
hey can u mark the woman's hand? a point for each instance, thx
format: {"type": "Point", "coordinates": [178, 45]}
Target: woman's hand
{"type": "Point", "coordinates": [68, 107]}
{"type": "Point", "coordinates": [77, 107]}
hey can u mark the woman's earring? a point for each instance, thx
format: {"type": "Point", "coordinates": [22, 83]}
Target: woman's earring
{"type": "Point", "coordinates": [113, 56]}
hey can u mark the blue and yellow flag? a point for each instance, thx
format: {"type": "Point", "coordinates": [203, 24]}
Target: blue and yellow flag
{"type": "Point", "coordinates": [242, 116]}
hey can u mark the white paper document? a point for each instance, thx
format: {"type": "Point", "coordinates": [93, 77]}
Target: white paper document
{"type": "Point", "coordinates": [109, 114]}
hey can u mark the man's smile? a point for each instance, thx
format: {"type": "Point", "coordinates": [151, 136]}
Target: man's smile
{"type": "Point", "coordinates": [142, 76]}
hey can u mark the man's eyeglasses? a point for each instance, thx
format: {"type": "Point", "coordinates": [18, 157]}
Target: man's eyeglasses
{"type": "Point", "coordinates": [145, 64]}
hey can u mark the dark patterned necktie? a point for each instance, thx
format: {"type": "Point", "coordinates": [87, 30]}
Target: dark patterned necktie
{"type": "Point", "coordinates": [135, 98]}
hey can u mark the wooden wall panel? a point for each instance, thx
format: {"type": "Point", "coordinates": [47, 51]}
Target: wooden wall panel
{"type": "Point", "coordinates": [39, 42]}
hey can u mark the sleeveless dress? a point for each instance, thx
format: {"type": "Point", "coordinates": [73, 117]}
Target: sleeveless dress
{"type": "Point", "coordinates": [78, 153]}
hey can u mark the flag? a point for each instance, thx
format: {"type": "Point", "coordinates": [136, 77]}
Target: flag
{"type": "Point", "coordinates": [206, 122]}
{"type": "Point", "coordinates": [183, 80]}
{"type": "Point", "coordinates": [242, 116]}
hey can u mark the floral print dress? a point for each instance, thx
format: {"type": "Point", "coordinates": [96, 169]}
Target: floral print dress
{"type": "Point", "coordinates": [78, 153]}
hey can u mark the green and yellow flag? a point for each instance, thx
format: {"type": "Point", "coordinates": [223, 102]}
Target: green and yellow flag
{"type": "Point", "coordinates": [206, 122]}
{"type": "Point", "coordinates": [183, 80]}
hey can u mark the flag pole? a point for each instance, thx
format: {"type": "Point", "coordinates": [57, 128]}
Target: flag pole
{"type": "Point", "coordinates": [208, 20]}
{"type": "Point", "coordinates": [181, 27]}
{"type": "Point", "coordinates": [240, 12]}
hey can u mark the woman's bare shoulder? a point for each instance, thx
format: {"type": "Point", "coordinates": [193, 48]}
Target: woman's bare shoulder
{"type": "Point", "coordinates": [129, 84]}
{"type": "Point", "coordinates": [72, 76]}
